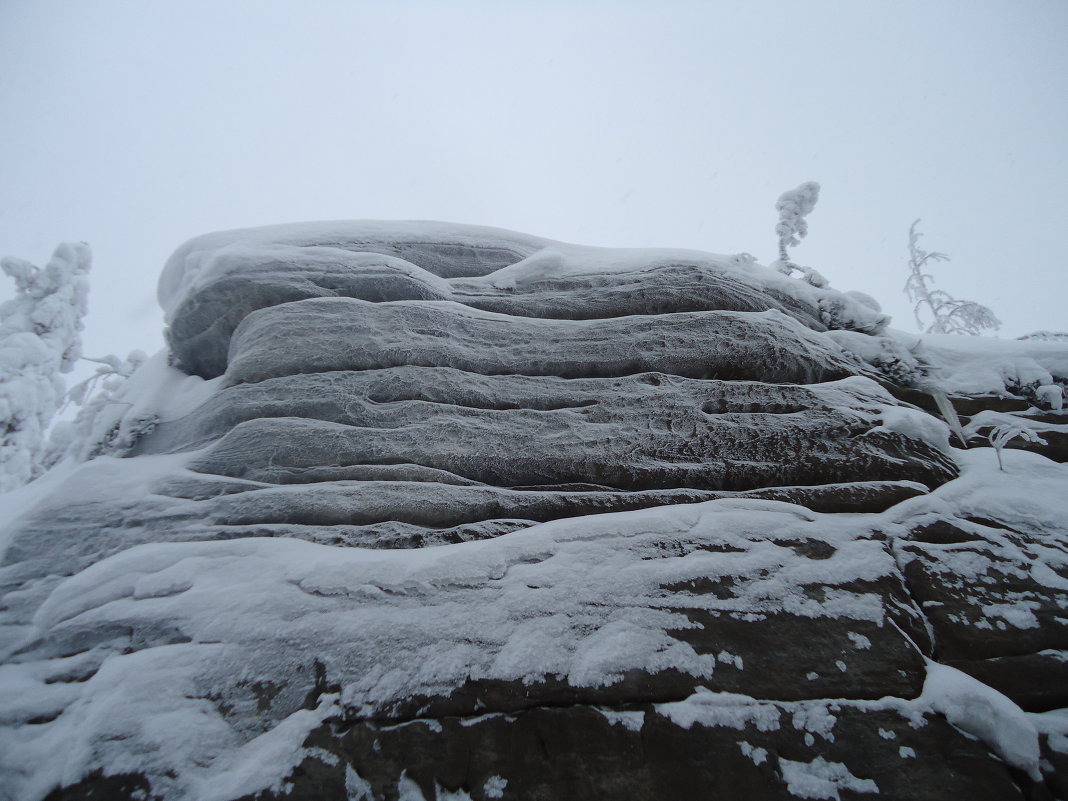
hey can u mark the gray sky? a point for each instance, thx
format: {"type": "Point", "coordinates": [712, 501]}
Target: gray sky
{"type": "Point", "coordinates": [137, 125]}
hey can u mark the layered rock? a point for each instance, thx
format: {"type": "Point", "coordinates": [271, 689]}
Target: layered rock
{"type": "Point", "coordinates": [457, 513]}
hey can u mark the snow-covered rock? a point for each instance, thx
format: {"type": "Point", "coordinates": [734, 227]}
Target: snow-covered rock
{"type": "Point", "coordinates": [432, 511]}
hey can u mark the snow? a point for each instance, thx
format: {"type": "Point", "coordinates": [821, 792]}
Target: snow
{"type": "Point", "coordinates": [728, 658]}
{"type": "Point", "coordinates": [707, 708]}
{"type": "Point", "coordinates": [1052, 395]}
{"type": "Point", "coordinates": [821, 779]}
{"type": "Point", "coordinates": [204, 258]}
{"type": "Point", "coordinates": [965, 365]}
{"type": "Point", "coordinates": [1016, 614]}
{"type": "Point", "coordinates": [1028, 495]}
{"type": "Point", "coordinates": [263, 762]}
{"type": "Point", "coordinates": [408, 790]}
{"type": "Point", "coordinates": [356, 787]}
{"type": "Point", "coordinates": [865, 299]}
{"type": "Point", "coordinates": [24, 499]}
{"type": "Point", "coordinates": [793, 206]}
{"type": "Point", "coordinates": [629, 720]}
{"type": "Point", "coordinates": [1053, 724]}
{"type": "Point", "coordinates": [758, 755]}
{"type": "Point", "coordinates": [914, 424]}
{"type": "Point", "coordinates": [861, 642]}
{"type": "Point", "coordinates": [814, 718]}
{"type": "Point", "coordinates": [182, 727]}
{"type": "Point", "coordinates": [1044, 575]}
{"type": "Point", "coordinates": [494, 787]}
{"type": "Point", "coordinates": [985, 713]}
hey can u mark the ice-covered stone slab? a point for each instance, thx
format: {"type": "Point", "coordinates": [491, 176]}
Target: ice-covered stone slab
{"type": "Point", "coordinates": [213, 282]}
{"type": "Point", "coordinates": [313, 336]}
{"type": "Point", "coordinates": [649, 431]}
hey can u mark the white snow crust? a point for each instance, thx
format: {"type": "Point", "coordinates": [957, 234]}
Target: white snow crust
{"type": "Point", "coordinates": [822, 779]}
{"type": "Point", "coordinates": [984, 712]}
{"type": "Point", "coordinates": [987, 366]}
{"type": "Point", "coordinates": [205, 259]}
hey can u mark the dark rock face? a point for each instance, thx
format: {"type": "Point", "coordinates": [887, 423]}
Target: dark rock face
{"type": "Point", "coordinates": [471, 515]}
{"type": "Point", "coordinates": [642, 753]}
{"type": "Point", "coordinates": [989, 614]}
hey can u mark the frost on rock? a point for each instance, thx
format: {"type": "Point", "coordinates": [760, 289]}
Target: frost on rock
{"type": "Point", "coordinates": [213, 282]}
{"type": "Point", "coordinates": [430, 511]}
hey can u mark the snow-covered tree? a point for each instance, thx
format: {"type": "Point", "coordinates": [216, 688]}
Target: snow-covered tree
{"type": "Point", "coordinates": [948, 315]}
{"type": "Point", "coordinates": [39, 339]}
{"type": "Point", "coordinates": [101, 425]}
{"type": "Point", "coordinates": [793, 206]}
{"type": "Point", "coordinates": [1001, 435]}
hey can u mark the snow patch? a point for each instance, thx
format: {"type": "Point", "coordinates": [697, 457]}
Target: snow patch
{"type": "Point", "coordinates": [631, 721]}
{"type": "Point", "coordinates": [815, 717]}
{"type": "Point", "coordinates": [758, 755]}
{"type": "Point", "coordinates": [711, 709]}
{"type": "Point", "coordinates": [985, 713]}
{"type": "Point", "coordinates": [494, 787]}
{"type": "Point", "coordinates": [861, 642]}
{"type": "Point", "coordinates": [820, 779]}
{"type": "Point", "coordinates": [356, 787]}
{"type": "Point", "coordinates": [914, 424]}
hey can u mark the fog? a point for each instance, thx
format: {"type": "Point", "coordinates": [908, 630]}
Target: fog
{"type": "Point", "coordinates": [135, 126]}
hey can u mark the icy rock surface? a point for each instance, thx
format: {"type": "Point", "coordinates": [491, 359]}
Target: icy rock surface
{"type": "Point", "coordinates": [443, 512]}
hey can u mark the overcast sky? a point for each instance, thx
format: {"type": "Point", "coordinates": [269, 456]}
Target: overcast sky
{"type": "Point", "coordinates": [136, 125]}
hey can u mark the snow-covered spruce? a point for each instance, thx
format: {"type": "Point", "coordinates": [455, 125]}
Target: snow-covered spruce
{"type": "Point", "coordinates": [40, 338]}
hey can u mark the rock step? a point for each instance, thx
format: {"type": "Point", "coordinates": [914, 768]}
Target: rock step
{"type": "Point", "coordinates": [202, 326]}
{"type": "Point", "coordinates": [328, 334]}
{"type": "Point", "coordinates": [298, 451]}
{"type": "Point", "coordinates": [393, 397]}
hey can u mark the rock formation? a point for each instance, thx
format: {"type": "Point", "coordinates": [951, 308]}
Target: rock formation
{"type": "Point", "coordinates": [422, 511]}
